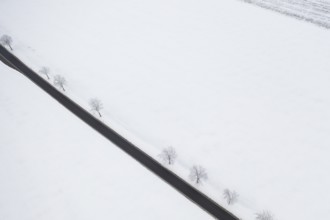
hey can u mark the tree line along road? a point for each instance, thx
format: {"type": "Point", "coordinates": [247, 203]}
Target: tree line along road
{"type": "Point", "coordinates": [154, 166]}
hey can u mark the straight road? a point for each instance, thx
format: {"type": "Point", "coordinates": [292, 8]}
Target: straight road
{"type": "Point", "coordinates": [168, 176]}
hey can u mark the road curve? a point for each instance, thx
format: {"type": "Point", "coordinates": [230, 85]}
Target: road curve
{"type": "Point", "coordinates": [168, 176]}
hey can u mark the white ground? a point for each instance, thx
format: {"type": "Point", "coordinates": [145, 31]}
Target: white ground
{"type": "Point", "coordinates": [317, 11]}
{"type": "Point", "coordinates": [53, 166]}
{"type": "Point", "coordinates": [241, 90]}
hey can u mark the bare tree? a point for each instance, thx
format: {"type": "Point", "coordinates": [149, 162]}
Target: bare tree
{"type": "Point", "coordinates": [45, 71]}
{"type": "Point", "coordinates": [6, 41]}
{"type": "Point", "coordinates": [96, 105]}
{"type": "Point", "coordinates": [168, 155]}
{"type": "Point", "coordinates": [59, 81]}
{"type": "Point", "coordinates": [264, 215]}
{"type": "Point", "coordinates": [197, 174]}
{"type": "Point", "coordinates": [230, 196]}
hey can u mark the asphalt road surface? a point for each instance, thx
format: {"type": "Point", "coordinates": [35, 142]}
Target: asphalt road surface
{"type": "Point", "coordinates": [168, 176]}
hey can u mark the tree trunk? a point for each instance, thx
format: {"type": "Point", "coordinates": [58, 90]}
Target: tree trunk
{"type": "Point", "coordinates": [63, 88]}
{"type": "Point", "coordinates": [10, 47]}
{"type": "Point", "coordinates": [99, 114]}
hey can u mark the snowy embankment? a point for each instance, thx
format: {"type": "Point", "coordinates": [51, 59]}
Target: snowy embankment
{"type": "Point", "coordinates": [53, 166]}
{"type": "Point", "coordinates": [242, 91]}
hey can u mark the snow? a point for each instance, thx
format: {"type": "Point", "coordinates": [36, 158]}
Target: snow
{"type": "Point", "coordinates": [53, 166]}
{"type": "Point", "coordinates": [240, 90]}
{"type": "Point", "coordinates": [315, 11]}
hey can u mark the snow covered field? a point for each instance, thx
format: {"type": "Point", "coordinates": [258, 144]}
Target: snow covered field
{"type": "Point", "coordinates": [315, 11]}
{"type": "Point", "coordinates": [53, 166]}
{"type": "Point", "coordinates": [240, 90]}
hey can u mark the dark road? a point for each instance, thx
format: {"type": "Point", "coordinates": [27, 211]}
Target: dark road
{"type": "Point", "coordinates": [168, 176]}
